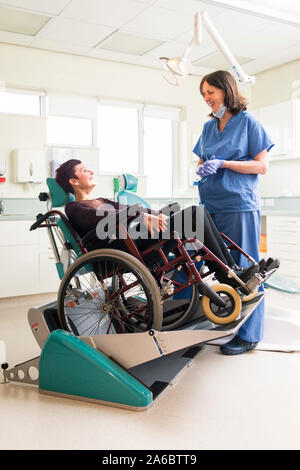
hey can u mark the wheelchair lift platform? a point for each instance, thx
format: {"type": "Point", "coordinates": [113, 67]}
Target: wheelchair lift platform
{"type": "Point", "coordinates": [125, 370]}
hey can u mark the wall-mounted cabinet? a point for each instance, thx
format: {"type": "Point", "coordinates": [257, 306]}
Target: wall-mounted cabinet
{"type": "Point", "coordinates": [282, 121]}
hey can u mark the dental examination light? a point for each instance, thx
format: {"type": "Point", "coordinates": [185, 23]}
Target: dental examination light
{"type": "Point", "coordinates": [179, 67]}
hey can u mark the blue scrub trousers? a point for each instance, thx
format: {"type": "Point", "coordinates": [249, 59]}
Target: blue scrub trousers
{"type": "Point", "coordinates": [244, 229]}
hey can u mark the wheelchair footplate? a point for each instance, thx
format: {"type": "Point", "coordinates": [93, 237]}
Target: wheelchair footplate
{"type": "Point", "coordinates": [125, 370]}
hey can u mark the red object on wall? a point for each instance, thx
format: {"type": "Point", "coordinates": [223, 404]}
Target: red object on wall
{"type": "Point", "coordinates": [2, 179]}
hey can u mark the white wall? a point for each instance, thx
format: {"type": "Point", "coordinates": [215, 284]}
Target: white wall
{"type": "Point", "coordinates": [52, 71]}
{"type": "Point", "coordinates": [275, 86]}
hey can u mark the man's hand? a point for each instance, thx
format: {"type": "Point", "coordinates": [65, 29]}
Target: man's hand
{"type": "Point", "coordinates": [155, 222]}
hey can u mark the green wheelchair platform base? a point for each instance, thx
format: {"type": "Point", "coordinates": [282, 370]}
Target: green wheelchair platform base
{"type": "Point", "coordinates": [71, 368]}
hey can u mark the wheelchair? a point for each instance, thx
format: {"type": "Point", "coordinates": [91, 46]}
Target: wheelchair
{"type": "Point", "coordinates": [109, 291]}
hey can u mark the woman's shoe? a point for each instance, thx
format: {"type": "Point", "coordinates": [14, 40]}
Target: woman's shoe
{"type": "Point", "coordinates": [237, 346]}
{"type": "Point", "coordinates": [243, 273]}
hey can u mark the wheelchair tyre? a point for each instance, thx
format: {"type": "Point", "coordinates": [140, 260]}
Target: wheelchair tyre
{"type": "Point", "coordinates": [182, 312]}
{"type": "Point", "coordinates": [222, 315]}
{"type": "Point", "coordinates": [251, 296]}
{"type": "Point", "coordinates": [89, 303]}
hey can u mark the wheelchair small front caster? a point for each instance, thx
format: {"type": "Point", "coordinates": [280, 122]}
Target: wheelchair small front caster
{"type": "Point", "coordinates": [4, 366]}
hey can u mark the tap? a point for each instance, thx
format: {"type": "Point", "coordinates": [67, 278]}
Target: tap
{"type": "Point", "coordinates": [1, 205]}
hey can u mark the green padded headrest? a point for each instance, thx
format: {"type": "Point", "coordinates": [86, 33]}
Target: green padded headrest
{"type": "Point", "coordinates": [130, 182]}
{"type": "Point", "coordinates": [58, 195]}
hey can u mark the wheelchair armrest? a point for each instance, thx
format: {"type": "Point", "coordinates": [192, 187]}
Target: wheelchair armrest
{"type": "Point", "coordinates": [170, 208]}
{"type": "Point", "coordinates": [122, 217]}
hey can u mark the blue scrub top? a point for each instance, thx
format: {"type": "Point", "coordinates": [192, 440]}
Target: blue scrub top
{"type": "Point", "coordinates": [242, 139]}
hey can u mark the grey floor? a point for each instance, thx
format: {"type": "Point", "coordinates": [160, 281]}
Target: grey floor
{"type": "Point", "coordinates": [250, 401]}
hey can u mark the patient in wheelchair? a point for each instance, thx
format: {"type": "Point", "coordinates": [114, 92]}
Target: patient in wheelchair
{"type": "Point", "coordinates": [86, 212]}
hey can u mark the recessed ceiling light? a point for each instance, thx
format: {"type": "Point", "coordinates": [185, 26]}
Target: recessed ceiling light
{"type": "Point", "coordinates": [18, 21]}
{"type": "Point", "coordinates": [218, 61]}
{"type": "Point", "coordinates": [128, 43]}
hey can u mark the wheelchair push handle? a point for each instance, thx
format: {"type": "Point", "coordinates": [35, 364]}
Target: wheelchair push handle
{"type": "Point", "coordinates": [40, 219]}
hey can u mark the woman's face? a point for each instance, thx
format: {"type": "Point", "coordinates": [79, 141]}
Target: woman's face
{"type": "Point", "coordinates": [84, 177]}
{"type": "Point", "coordinates": [213, 96]}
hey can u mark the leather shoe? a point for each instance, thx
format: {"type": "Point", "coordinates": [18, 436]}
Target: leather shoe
{"type": "Point", "coordinates": [237, 346]}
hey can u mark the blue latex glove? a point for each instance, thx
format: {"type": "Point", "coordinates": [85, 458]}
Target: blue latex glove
{"type": "Point", "coordinates": [210, 166]}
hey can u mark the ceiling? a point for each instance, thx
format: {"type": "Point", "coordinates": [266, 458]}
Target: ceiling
{"type": "Point", "coordinates": [140, 31]}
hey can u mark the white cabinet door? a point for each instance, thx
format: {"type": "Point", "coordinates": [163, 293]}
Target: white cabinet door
{"type": "Point", "coordinates": [49, 280]}
{"type": "Point", "coordinates": [283, 242]}
{"type": "Point", "coordinates": [16, 232]}
{"type": "Point", "coordinates": [19, 270]}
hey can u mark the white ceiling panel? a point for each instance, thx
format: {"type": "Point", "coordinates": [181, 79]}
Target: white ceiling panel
{"type": "Point", "coordinates": [59, 46]}
{"type": "Point", "coordinates": [190, 6]}
{"type": "Point", "coordinates": [114, 56]}
{"type": "Point", "coordinates": [52, 7]}
{"type": "Point", "coordinates": [274, 60]}
{"type": "Point", "coordinates": [105, 12]}
{"type": "Point", "coordinates": [74, 32]}
{"type": "Point", "coordinates": [262, 45]}
{"type": "Point", "coordinates": [160, 23]}
{"type": "Point", "coordinates": [175, 49]}
{"type": "Point", "coordinates": [15, 38]}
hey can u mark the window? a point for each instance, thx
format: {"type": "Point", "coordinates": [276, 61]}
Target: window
{"type": "Point", "coordinates": [18, 102]}
{"type": "Point", "coordinates": [139, 139]}
{"type": "Point", "coordinates": [118, 132]}
{"type": "Point", "coordinates": [71, 119]}
{"type": "Point", "coordinates": [69, 131]}
{"type": "Point", "coordinates": [158, 156]}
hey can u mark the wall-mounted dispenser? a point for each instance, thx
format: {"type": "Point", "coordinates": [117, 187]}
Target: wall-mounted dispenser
{"type": "Point", "coordinates": [29, 165]}
{"type": "Point", "coordinates": [2, 171]}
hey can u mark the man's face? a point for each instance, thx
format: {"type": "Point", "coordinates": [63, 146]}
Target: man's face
{"type": "Point", "coordinates": [84, 177]}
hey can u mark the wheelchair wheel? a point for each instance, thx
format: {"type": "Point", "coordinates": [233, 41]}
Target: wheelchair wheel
{"type": "Point", "coordinates": [251, 296]}
{"type": "Point", "coordinates": [222, 315]}
{"type": "Point", "coordinates": [108, 292]}
{"type": "Point", "coordinates": [178, 311]}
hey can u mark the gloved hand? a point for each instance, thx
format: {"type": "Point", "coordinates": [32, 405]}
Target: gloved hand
{"type": "Point", "coordinates": [210, 166]}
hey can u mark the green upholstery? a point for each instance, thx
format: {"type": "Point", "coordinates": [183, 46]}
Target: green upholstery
{"type": "Point", "coordinates": [59, 198]}
{"type": "Point", "coordinates": [58, 195]}
{"type": "Point", "coordinates": [127, 195]}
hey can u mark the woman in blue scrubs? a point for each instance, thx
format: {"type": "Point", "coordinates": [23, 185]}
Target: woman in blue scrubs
{"type": "Point", "coordinates": [232, 151]}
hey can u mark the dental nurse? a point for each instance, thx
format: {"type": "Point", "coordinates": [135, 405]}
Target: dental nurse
{"type": "Point", "coordinates": [233, 151]}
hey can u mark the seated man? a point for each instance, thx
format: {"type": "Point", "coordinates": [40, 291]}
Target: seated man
{"type": "Point", "coordinates": [84, 216]}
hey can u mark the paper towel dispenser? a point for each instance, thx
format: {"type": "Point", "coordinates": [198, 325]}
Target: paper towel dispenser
{"type": "Point", "coordinates": [29, 165]}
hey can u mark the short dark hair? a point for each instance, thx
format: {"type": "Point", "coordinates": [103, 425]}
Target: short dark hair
{"type": "Point", "coordinates": [223, 80]}
{"type": "Point", "coordinates": [64, 172]}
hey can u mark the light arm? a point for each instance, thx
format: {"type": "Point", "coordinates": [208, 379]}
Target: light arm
{"type": "Point", "coordinates": [179, 66]}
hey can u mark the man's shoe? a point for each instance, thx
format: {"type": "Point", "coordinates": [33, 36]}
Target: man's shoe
{"type": "Point", "coordinates": [237, 346]}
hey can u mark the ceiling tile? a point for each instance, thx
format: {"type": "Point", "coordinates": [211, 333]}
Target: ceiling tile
{"type": "Point", "coordinates": [109, 13]}
{"type": "Point", "coordinates": [276, 59]}
{"type": "Point", "coordinates": [21, 22]}
{"type": "Point", "coordinates": [218, 62]}
{"type": "Point", "coordinates": [52, 7]}
{"type": "Point", "coordinates": [191, 6]}
{"type": "Point", "coordinates": [129, 43]}
{"type": "Point", "coordinates": [261, 45]}
{"type": "Point", "coordinates": [14, 38]}
{"type": "Point", "coordinates": [112, 55]}
{"type": "Point", "coordinates": [160, 23]}
{"type": "Point", "coordinates": [59, 46]}
{"type": "Point", "coordinates": [74, 32]}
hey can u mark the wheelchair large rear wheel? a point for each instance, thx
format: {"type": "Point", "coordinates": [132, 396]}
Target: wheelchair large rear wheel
{"type": "Point", "coordinates": [109, 292]}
